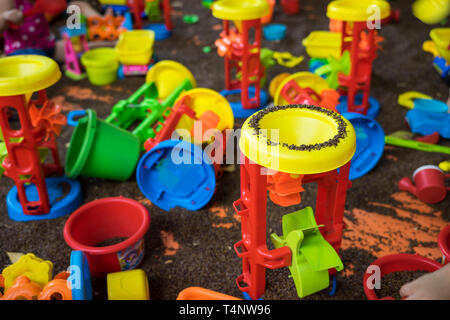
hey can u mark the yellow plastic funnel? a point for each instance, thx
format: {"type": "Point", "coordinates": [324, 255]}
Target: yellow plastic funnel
{"type": "Point", "coordinates": [358, 10]}
{"type": "Point", "coordinates": [24, 74]}
{"type": "Point", "coordinates": [298, 139]}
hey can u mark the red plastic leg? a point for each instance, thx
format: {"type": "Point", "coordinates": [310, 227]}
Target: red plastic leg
{"type": "Point", "coordinates": [251, 63]}
{"type": "Point", "coordinates": [253, 248]}
{"type": "Point", "coordinates": [330, 205]}
{"type": "Point", "coordinates": [358, 81]}
{"type": "Point", "coordinates": [167, 15]}
{"type": "Point", "coordinates": [23, 163]}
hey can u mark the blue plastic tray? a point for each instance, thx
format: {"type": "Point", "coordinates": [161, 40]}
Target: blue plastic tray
{"type": "Point", "coordinates": [174, 173]}
{"type": "Point", "coordinates": [369, 144]}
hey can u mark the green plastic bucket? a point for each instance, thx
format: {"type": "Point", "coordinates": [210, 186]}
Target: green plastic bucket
{"type": "Point", "coordinates": [101, 65]}
{"type": "Point", "coordinates": [101, 150]}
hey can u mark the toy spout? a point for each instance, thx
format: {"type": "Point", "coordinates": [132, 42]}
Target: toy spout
{"type": "Point", "coordinates": [405, 184]}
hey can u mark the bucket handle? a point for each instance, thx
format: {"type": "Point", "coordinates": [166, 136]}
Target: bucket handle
{"type": "Point", "coordinates": [71, 117]}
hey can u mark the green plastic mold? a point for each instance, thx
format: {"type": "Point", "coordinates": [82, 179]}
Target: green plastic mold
{"type": "Point", "coordinates": [144, 108]}
{"type": "Point", "coordinates": [312, 255]}
{"type": "Point", "coordinates": [3, 154]}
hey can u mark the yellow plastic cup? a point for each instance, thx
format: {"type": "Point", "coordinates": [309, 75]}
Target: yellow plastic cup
{"type": "Point", "coordinates": [101, 65]}
{"type": "Point", "coordinates": [441, 38]}
{"type": "Point", "coordinates": [322, 44]}
{"type": "Point", "coordinates": [135, 47]}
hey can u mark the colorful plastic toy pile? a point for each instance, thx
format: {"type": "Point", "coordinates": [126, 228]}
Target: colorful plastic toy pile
{"type": "Point", "coordinates": [171, 138]}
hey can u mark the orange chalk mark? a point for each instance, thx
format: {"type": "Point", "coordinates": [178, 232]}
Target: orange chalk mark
{"type": "Point", "coordinates": [219, 211]}
{"type": "Point", "coordinates": [349, 270]}
{"type": "Point", "coordinates": [87, 94]}
{"type": "Point", "coordinates": [411, 202]}
{"type": "Point", "coordinates": [223, 225]}
{"type": "Point", "coordinates": [65, 105]}
{"type": "Point", "coordinates": [169, 243]}
{"type": "Point", "coordinates": [431, 225]}
{"type": "Point", "coordinates": [414, 228]}
{"type": "Point", "coordinates": [144, 201]}
{"type": "Point", "coordinates": [391, 157]}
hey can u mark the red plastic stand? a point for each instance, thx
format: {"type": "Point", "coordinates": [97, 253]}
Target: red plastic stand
{"type": "Point", "coordinates": [244, 59]}
{"type": "Point", "coordinates": [359, 79]}
{"type": "Point", "coordinates": [23, 161]}
{"type": "Point", "coordinates": [251, 207]}
{"type": "Point", "coordinates": [136, 8]}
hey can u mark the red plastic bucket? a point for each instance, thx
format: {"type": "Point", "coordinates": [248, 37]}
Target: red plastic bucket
{"type": "Point", "coordinates": [397, 263]}
{"type": "Point", "coordinates": [444, 243]}
{"type": "Point", "coordinates": [105, 219]}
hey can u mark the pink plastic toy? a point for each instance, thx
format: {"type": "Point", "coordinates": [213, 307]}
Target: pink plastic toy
{"type": "Point", "coordinates": [75, 44]}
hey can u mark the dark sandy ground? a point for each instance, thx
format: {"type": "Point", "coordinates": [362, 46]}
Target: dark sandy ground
{"type": "Point", "coordinates": [380, 219]}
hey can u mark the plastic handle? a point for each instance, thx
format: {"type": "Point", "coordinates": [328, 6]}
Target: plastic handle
{"type": "Point", "coordinates": [412, 144]}
{"type": "Point", "coordinates": [71, 117]}
{"type": "Point", "coordinates": [407, 99]}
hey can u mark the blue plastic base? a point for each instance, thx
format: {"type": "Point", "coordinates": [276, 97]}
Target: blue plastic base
{"type": "Point", "coordinates": [160, 30]}
{"type": "Point", "coordinates": [247, 296]}
{"type": "Point", "coordinates": [238, 111]}
{"type": "Point", "coordinates": [372, 112]}
{"type": "Point", "coordinates": [58, 208]}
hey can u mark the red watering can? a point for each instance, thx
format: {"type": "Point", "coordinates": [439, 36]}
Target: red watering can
{"type": "Point", "coordinates": [429, 184]}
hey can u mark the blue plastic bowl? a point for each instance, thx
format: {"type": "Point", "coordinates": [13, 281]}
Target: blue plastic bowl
{"type": "Point", "coordinates": [274, 32]}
